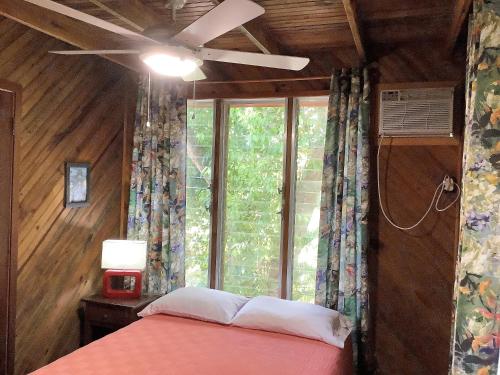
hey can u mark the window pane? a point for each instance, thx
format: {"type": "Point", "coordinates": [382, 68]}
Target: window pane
{"type": "Point", "coordinates": [311, 127]}
{"type": "Point", "coordinates": [252, 223]}
{"type": "Point", "coordinates": [198, 194]}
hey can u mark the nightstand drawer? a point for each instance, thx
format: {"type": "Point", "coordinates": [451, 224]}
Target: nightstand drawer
{"type": "Point", "coordinates": [108, 315]}
{"type": "Point", "coordinates": [102, 315]}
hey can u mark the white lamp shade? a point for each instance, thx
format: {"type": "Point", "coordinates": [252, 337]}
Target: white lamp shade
{"type": "Point", "coordinates": [124, 254]}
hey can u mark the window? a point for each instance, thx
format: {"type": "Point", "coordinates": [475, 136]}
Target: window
{"type": "Point", "coordinates": [198, 193]}
{"type": "Point", "coordinates": [256, 239]}
{"type": "Point", "coordinates": [254, 176]}
{"type": "Point", "coordinates": [311, 128]}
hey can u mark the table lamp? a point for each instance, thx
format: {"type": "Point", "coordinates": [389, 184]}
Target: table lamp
{"type": "Point", "coordinates": [123, 259]}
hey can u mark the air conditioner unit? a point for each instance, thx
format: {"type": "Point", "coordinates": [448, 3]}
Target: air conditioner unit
{"type": "Point", "coordinates": [421, 112]}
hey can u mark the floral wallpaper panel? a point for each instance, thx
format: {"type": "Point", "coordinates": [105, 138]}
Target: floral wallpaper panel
{"type": "Point", "coordinates": [475, 336]}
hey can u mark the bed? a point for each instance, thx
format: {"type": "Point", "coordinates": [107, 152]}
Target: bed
{"type": "Point", "coordinates": [164, 344]}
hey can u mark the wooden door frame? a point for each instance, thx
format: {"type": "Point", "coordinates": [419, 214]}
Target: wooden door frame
{"type": "Point", "coordinates": [16, 89]}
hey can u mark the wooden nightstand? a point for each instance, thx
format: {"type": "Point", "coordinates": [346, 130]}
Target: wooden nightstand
{"type": "Point", "coordinates": [103, 315]}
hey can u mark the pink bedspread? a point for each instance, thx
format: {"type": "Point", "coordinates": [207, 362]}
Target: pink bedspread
{"type": "Point", "coordinates": [162, 344]}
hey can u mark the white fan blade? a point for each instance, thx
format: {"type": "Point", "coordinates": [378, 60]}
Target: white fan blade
{"type": "Point", "coordinates": [80, 16]}
{"type": "Point", "coordinates": [197, 75]}
{"type": "Point", "coordinates": [251, 58]}
{"type": "Point", "coordinates": [221, 19]}
{"type": "Point", "coordinates": [98, 52]}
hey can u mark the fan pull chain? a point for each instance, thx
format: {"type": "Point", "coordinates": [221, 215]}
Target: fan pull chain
{"type": "Point", "coordinates": [194, 100]}
{"type": "Point", "coordinates": [148, 123]}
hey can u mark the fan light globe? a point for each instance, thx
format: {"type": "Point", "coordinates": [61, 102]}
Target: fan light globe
{"type": "Point", "coordinates": [168, 65]}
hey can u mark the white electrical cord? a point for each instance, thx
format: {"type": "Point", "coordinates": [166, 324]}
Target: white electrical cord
{"type": "Point", "coordinates": [440, 188]}
{"type": "Point", "coordinates": [441, 192]}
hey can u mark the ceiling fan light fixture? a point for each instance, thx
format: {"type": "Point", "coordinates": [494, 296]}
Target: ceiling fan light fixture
{"type": "Point", "coordinates": [182, 54]}
{"type": "Point", "coordinates": [169, 65]}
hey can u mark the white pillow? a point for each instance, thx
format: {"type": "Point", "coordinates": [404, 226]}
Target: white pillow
{"type": "Point", "coordinates": [294, 318]}
{"type": "Point", "coordinates": [199, 303]}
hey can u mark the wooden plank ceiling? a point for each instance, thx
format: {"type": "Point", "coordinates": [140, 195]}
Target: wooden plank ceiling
{"type": "Point", "coordinates": [319, 29]}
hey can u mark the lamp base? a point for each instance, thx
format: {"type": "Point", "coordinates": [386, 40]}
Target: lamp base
{"type": "Point", "coordinates": [111, 290]}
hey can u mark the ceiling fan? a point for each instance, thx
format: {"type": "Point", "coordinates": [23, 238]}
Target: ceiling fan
{"type": "Point", "coordinates": [183, 54]}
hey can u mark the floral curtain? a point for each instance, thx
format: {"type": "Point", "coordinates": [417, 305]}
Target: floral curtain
{"type": "Point", "coordinates": [341, 280]}
{"type": "Point", "coordinates": [158, 184]}
{"type": "Point", "coordinates": [476, 333]}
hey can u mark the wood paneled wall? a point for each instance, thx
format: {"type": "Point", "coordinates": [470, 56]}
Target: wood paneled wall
{"type": "Point", "coordinates": [72, 110]}
{"type": "Point", "coordinates": [412, 273]}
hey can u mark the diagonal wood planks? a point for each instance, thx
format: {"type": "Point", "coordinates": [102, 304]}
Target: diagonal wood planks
{"type": "Point", "coordinates": [72, 110]}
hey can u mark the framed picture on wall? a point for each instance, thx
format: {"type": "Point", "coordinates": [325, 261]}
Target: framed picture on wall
{"type": "Point", "coordinates": [76, 185]}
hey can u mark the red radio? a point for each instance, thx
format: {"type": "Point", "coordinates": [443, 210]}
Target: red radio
{"type": "Point", "coordinates": [122, 284]}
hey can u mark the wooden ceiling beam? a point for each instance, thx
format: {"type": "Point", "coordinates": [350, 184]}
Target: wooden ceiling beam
{"type": "Point", "coordinates": [351, 10]}
{"type": "Point", "coordinates": [65, 29]}
{"type": "Point", "coordinates": [133, 12]}
{"type": "Point", "coordinates": [460, 12]}
{"type": "Point", "coordinates": [116, 14]}
{"type": "Point", "coordinates": [257, 32]}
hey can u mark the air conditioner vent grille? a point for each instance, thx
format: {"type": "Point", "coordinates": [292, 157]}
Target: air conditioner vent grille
{"type": "Point", "coordinates": [416, 112]}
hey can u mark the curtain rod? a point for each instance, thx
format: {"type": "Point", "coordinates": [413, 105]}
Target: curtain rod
{"type": "Point", "coordinates": [264, 80]}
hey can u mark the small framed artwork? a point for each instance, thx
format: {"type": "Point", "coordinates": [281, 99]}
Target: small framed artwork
{"type": "Point", "coordinates": [76, 185]}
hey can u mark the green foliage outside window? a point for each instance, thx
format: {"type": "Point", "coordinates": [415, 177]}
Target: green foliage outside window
{"type": "Point", "coordinates": [253, 200]}
{"type": "Point", "coordinates": [311, 129]}
{"type": "Point", "coordinates": [254, 177]}
{"type": "Point", "coordinates": [198, 194]}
